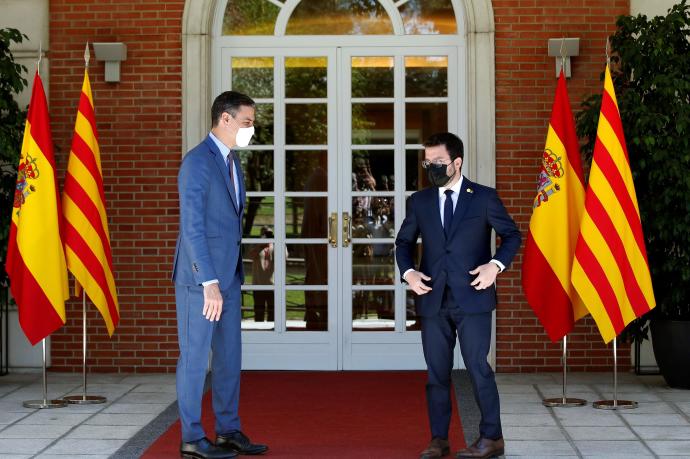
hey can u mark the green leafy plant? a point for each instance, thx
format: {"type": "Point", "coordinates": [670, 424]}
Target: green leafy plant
{"type": "Point", "coordinates": [12, 119]}
{"type": "Point", "coordinates": [650, 67]}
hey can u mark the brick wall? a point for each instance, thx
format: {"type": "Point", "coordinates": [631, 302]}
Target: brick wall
{"type": "Point", "coordinates": [140, 139]}
{"type": "Point", "coordinates": [525, 88]}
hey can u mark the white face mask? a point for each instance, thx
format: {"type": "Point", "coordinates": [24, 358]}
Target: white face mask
{"type": "Point", "coordinates": [243, 136]}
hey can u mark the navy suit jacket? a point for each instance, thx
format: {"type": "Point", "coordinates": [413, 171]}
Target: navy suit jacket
{"type": "Point", "coordinates": [209, 243]}
{"type": "Point", "coordinates": [448, 260]}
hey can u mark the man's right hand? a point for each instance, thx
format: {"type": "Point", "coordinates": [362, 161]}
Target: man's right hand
{"type": "Point", "coordinates": [213, 302]}
{"type": "Point", "coordinates": [415, 278]}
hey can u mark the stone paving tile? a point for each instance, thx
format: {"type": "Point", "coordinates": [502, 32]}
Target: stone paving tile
{"type": "Point", "coordinates": [97, 432]}
{"type": "Point", "coordinates": [73, 456]}
{"type": "Point", "coordinates": [55, 416]}
{"type": "Point", "coordinates": [532, 433]}
{"type": "Point", "coordinates": [527, 378]}
{"type": "Point", "coordinates": [5, 388]}
{"type": "Point", "coordinates": [669, 447]}
{"type": "Point", "coordinates": [652, 408]}
{"type": "Point", "coordinates": [72, 446]}
{"type": "Point", "coordinates": [674, 396]}
{"type": "Point", "coordinates": [612, 448]}
{"type": "Point", "coordinates": [22, 446]}
{"type": "Point", "coordinates": [524, 408]}
{"type": "Point", "coordinates": [36, 393]}
{"type": "Point", "coordinates": [168, 378]}
{"type": "Point", "coordinates": [608, 455]}
{"type": "Point", "coordinates": [16, 456]}
{"type": "Point", "coordinates": [144, 397]}
{"type": "Point", "coordinates": [520, 398]}
{"type": "Point", "coordinates": [156, 388]}
{"type": "Point", "coordinates": [587, 416]}
{"type": "Point", "coordinates": [108, 419]}
{"type": "Point", "coordinates": [597, 433]}
{"type": "Point", "coordinates": [539, 448]}
{"type": "Point", "coordinates": [14, 406]}
{"type": "Point", "coordinates": [532, 456]}
{"type": "Point", "coordinates": [135, 408]}
{"type": "Point", "coordinates": [638, 419]}
{"type": "Point", "coordinates": [9, 417]}
{"type": "Point", "coordinates": [29, 431]}
{"type": "Point", "coordinates": [663, 432]}
{"type": "Point", "coordinates": [527, 420]}
{"type": "Point", "coordinates": [684, 406]}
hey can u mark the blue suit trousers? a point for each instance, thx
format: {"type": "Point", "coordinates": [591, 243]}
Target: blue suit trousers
{"type": "Point", "coordinates": [197, 337]}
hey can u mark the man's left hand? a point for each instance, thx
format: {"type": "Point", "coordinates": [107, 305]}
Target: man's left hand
{"type": "Point", "coordinates": [486, 275]}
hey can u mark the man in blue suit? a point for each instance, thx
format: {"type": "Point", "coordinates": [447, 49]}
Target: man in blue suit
{"type": "Point", "coordinates": [208, 275]}
{"type": "Point", "coordinates": [455, 287]}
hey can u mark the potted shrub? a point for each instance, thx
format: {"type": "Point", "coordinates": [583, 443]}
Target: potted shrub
{"type": "Point", "coordinates": [650, 67]}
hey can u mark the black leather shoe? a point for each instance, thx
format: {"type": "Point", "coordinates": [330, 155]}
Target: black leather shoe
{"type": "Point", "coordinates": [204, 449]}
{"type": "Point", "coordinates": [240, 443]}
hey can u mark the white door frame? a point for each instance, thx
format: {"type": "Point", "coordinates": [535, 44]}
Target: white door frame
{"type": "Point", "coordinates": [201, 39]}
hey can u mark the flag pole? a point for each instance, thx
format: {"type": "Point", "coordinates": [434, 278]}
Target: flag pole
{"type": "Point", "coordinates": [615, 404]}
{"type": "Point", "coordinates": [45, 403]}
{"type": "Point", "coordinates": [84, 399]}
{"type": "Point", "coordinates": [564, 400]}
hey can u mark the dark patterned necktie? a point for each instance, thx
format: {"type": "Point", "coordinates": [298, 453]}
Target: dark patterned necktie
{"type": "Point", "coordinates": [448, 212]}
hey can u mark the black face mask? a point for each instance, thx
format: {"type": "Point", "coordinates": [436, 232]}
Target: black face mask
{"type": "Point", "coordinates": [437, 174]}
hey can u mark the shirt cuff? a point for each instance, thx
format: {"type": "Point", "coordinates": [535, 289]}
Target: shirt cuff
{"type": "Point", "coordinates": [406, 272]}
{"type": "Point", "coordinates": [501, 266]}
{"type": "Point", "coordinates": [209, 282]}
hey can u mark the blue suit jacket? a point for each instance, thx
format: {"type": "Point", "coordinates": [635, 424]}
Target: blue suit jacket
{"type": "Point", "coordinates": [209, 243]}
{"type": "Point", "coordinates": [448, 261]}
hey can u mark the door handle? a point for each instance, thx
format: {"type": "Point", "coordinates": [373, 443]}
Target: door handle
{"type": "Point", "coordinates": [347, 229]}
{"type": "Point", "coordinates": [333, 229]}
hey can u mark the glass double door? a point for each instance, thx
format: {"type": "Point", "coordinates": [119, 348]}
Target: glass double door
{"type": "Point", "coordinates": [336, 152]}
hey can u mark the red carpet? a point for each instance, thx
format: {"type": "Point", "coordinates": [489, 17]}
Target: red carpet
{"type": "Point", "coordinates": [328, 415]}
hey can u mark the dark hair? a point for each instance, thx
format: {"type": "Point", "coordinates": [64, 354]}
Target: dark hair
{"type": "Point", "coordinates": [449, 140]}
{"type": "Point", "coordinates": [229, 102]}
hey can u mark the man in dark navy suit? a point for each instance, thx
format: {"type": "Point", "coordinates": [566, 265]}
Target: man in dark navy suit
{"type": "Point", "coordinates": [455, 287]}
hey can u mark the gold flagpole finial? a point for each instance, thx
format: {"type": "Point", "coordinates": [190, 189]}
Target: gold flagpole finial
{"type": "Point", "coordinates": [87, 55]}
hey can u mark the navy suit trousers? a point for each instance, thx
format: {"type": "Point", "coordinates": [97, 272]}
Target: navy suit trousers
{"type": "Point", "coordinates": [438, 341]}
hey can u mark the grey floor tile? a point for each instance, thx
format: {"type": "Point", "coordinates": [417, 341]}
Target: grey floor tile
{"type": "Point", "coordinates": [520, 398]}
{"type": "Point", "coordinates": [639, 397]}
{"type": "Point", "coordinates": [532, 456]}
{"type": "Point", "coordinates": [29, 431]}
{"type": "Point", "coordinates": [157, 388]}
{"type": "Point", "coordinates": [144, 397]}
{"type": "Point", "coordinates": [640, 419]}
{"type": "Point", "coordinates": [682, 397]}
{"type": "Point", "coordinates": [57, 416]}
{"type": "Point", "coordinates": [532, 433]}
{"type": "Point", "coordinates": [663, 432]}
{"type": "Point", "coordinates": [652, 408]}
{"type": "Point", "coordinates": [167, 378]}
{"type": "Point", "coordinates": [539, 448]}
{"type": "Point", "coordinates": [516, 389]}
{"type": "Point", "coordinates": [71, 446]}
{"type": "Point", "coordinates": [527, 378]}
{"type": "Point", "coordinates": [607, 456]}
{"type": "Point", "coordinates": [611, 448]}
{"type": "Point", "coordinates": [527, 420]}
{"type": "Point", "coordinates": [588, 417]}
{"type": "Point", "coordinates": [16, 456]}
{"type": "Point", "coordinates": [8, 417]}
{"type": "Point", "coordinates": [104, 432]}
{"type": "Point", "coordinates": [23, 446]}
{"type": "Point", "coordinates": [524, 408]}
{"type": "Point", "coordinates": [684, 406]}
{"type": "Point", "coordinates": [669, 447]}
{"type": "Point", "coordinates": [597, 433]}
{"type": "Point", "coordinates": [133, 408]}
{"type": "Point", "coordinates": [73, 456]}
{"type": "Point", "coordinates": [14, 406]}
{"type": "Point", "coordinates": [8, 387]}
{"type": "Point", "coordinates": [108, 419]}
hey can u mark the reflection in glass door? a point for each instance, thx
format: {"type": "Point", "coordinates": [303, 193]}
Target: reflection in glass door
{"type": "Point", "coordinates": [288, 300]}
{"type": "Point", "coordinates": [392, 100]}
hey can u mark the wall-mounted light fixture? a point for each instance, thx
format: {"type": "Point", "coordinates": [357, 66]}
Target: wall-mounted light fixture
{"type": "Point", "coordinates": [112, 54]}
{"type": "Point", "coordinates": [562, 49]}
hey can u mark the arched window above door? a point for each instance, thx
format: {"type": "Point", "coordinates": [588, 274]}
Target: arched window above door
{"type": "Point", "coordinates": [339, 17]}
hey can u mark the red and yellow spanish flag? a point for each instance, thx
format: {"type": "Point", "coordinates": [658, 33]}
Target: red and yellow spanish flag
{"type": "Point", "coordinates": [611, 272]}
{"type": "Point", "coordinates": [87, 241]}
{"type": "Point", "coordinates": [553, 228]}
{"type": "Point", "coordinates": [35, 255]}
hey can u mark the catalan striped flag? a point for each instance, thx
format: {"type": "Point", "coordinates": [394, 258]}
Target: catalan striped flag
{"type": "Point", "coordinates": [87, 242]}
{"type": "Point", "coordinates": [611, 272]}
{"type": "Point", "coordinates": [554, 226]}
{"type": "Point", "coordinates": [35, 255]}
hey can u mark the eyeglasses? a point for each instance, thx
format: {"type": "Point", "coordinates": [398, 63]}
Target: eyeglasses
{"type": "Point", "coordinates": [426, 164]}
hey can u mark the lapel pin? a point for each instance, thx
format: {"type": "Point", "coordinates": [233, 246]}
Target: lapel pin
{"type": "Point", "coordinates": [470, 190]}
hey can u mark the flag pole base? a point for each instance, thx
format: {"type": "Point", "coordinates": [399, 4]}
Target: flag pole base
{"type": "Point", "coordinates": [564, 402]}
{"type": "Point", "coordinates": [614, 404]}
{"type": "Point", "coordinates": [85, 399]}
{"type": "Point", "coordinates": [43, 404]}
